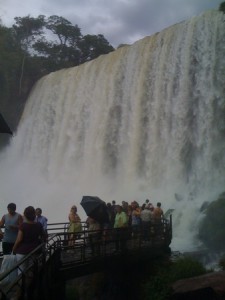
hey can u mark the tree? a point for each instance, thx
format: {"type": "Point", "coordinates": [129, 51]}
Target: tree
{"type": "Point", "coordinates": [65, 52]}
{"type": "Point", "coordinates": [65, 31]}
{"type": "Point", "coordinates": [72, 48]}
{"type": "Point", "coordinates": [94, 45]}
{"type": "Point", "coordinates": [10, 59]}
{"type": "Point", "coordinates": [28, 52]}
{"type": "Point", "coordinates": [10, 65]}
{"type": "Point", "coordinates": [222, 7]}
{"type": "Point", "coordinates": [25, 30]}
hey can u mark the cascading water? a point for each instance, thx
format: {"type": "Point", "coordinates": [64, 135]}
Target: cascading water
{"type": "Point", "coordinates": [146, 121]}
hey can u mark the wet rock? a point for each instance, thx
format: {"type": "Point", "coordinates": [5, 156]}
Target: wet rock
{"type": "Point", "coordinates": [208, 286]}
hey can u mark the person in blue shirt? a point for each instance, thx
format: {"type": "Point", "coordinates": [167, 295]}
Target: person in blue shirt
{"type": "Point", "coordinates": [41, 219]}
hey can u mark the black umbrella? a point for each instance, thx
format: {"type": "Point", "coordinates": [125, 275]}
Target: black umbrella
{"type": "Point", "coordinates": [4, 128]}
{"type": "Point", "coordinates": [95, 208]}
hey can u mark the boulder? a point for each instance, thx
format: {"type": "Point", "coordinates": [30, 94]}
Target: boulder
{"type": "Point", "coordinates": [208, 286]}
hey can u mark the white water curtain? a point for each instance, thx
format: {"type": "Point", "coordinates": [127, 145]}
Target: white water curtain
{"type": "Point", "coordinates": [146, 121]}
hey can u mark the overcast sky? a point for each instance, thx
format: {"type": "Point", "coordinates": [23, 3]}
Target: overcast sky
{"type": "Point", "coordinates": [120, 21]}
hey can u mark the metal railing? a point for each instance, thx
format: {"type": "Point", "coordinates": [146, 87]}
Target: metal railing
{"type": "Point", "coordinates": [29, 271]}
{"type": "Point", "coordinates": [64, 251]}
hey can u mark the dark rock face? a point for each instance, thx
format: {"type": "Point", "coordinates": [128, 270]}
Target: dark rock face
{"type": "Point", "coordinates": [206, 287]}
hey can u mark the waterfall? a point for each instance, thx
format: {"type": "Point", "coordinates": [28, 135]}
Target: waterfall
{"type": "Point", "coordinates": [145, 121]}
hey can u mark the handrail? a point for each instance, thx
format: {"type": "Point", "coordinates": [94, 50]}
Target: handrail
{"type": "Point", "coordinates": [41, 253]}
{"type": "Point", "coordinates": [56, 227]}
{"type": "Point", "coordinates": [57, 242]}
{"type": "Point", "coordinates": [30, 255]}
{"type": "Point", "coordinates": [17, 266]}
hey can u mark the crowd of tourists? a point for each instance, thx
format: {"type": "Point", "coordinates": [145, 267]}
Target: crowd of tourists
{"type": "Point", "coordinates": [126, 220]}
{"type": "Point", "coordinates": [27, 232]}
{"type": "Point", "coordinates": [23, 233]}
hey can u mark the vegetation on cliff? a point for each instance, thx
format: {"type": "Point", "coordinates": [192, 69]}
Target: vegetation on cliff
{"type": "Point", "coordinates": [34, 47]}
{"type": "Point", "coordinates": [212, 227]}
{"type": "Point", "coordinates": [159, 285]}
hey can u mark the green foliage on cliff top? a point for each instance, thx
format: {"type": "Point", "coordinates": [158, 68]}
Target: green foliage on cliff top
{"type": "Point", "coordinates": [212, 227]}
{"type": "Point", "coordinates": [222, 7]}
{"type": "Point", "coordinates": [158, 287]}
{"type": "Point", "coordinates": [34, 47]}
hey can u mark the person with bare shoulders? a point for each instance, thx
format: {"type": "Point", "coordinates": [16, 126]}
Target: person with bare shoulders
{"type": "Point", "coordinates": [11, 222]}
{"type": "Point", "coordinates": [158, 212]}
{"type": "Point", "coordinates": [157, 217]}
{"type": "Point", "coordinates": [75, 225]}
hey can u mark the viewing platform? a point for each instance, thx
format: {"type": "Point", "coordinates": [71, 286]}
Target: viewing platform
{"type": "Point", "coordinates": [58, 260]}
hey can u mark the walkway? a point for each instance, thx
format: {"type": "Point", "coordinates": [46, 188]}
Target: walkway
{"type": "Point", "coordinates": [59, 262]}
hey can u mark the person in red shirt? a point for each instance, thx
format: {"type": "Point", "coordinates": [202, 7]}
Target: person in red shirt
{"type": "Point", "coordinates": [30, 235]}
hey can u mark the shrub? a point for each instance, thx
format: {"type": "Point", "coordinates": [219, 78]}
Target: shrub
{"type": "Point", "coordinates": [158, 287]}
{"type": "Point", "coordinates": [222, 263]}
{"type": "Point", "coordinates": [222, 7]}
{"type": "Point", "coordinates": [212, 227]}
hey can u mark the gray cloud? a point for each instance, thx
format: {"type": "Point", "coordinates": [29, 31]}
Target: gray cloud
{"type": "Point", "coordinates": [120, 21]}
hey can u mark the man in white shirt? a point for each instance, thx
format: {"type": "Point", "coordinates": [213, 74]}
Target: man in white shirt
{"type": "Point", "coordinates": [146, 218]}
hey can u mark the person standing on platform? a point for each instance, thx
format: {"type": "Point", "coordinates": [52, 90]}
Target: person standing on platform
{"type": "Point", "coordinates": [135, 219]}
{"type": "Point", "coordinates": [11, 222]}
{"type": "Point", "coordinates": [30, 236]}
{"type": "Point", "coordinates": [94, 235]}
{"type": "Point", "coordinates": [157, 216]}
{"type": "Point", "coordinates": [121, 226]}
{"type": "Point", "coordinates": [75, 226]}
{"type": "Point", "coordinates": [41, 219]}
{"type": "Point", "coordinates": [146, 217]}
{"type": "Point", "coordinates": [158, 212]}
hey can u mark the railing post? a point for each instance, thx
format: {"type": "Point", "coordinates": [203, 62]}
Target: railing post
{"type": "Point", "coordinates": [57, 283]}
